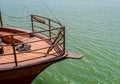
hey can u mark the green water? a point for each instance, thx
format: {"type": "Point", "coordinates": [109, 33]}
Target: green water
{"type": "Point", "coordinates": [92, 29]}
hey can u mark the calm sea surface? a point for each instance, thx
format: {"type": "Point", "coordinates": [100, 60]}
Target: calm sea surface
{"type": "Point", "coordinates": [92, 29]}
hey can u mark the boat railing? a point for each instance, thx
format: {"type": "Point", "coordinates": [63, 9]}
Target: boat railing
{"type": "Point", "coordinates": [51, 31]}
{"type": "Point", "coordinates": [1, 24]}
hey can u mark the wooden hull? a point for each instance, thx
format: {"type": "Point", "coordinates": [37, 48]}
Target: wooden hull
{"type": "Point", "coordinates": [20, 64]}
{"type": "Point", "coordinates": [23, 75]}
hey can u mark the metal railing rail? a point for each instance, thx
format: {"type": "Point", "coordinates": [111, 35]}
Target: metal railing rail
{"type": "Point", "coordinates": [53, 35]}
{"type": "Point", "coordinates": [1, 23]}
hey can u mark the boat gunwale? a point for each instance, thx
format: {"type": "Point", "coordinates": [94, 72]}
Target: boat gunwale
{"type": "Point", "coordinates": [55, 59]}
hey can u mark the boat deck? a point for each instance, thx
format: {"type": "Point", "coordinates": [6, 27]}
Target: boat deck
{"type": "Point", "coordinates": [37, 54]}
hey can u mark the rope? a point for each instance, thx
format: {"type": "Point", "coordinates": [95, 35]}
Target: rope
{"type": "Point", "coordinates": [18, 21]}
{"type": "Point", "coordinates": [15, 17]}
{"type": "Point", "coordinates": [50, 11]}
{"type": "Point", "coordinates": [10, 25]}
{"type": "Point", "coordinates": [23, 47]}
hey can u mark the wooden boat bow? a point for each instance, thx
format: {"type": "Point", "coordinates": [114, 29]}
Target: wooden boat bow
{"type": "Point", "coordinates": [47, 46]}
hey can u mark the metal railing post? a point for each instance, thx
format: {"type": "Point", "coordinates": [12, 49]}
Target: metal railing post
{"type": "Point", "coordinates": [14, 52]}
{"type": "Point", "coordinates": [64, 39]}
{"type": "Point", "coordinates": [1, 19]}
{"type": "Point", "coordinates": [49, 23]}
{"type": "Point", "coordinates": [32, 23]}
